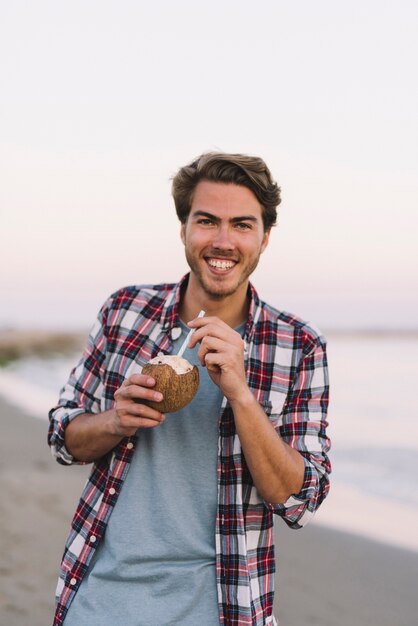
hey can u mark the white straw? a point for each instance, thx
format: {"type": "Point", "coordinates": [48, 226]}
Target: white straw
{"type": "Point", "coordinates": [189, 334]}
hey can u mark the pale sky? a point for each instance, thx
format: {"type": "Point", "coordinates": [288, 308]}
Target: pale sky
{"type": "Point", "coordinates": [102, 101]}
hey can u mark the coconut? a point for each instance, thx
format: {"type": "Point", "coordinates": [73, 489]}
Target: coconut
{"type": "Point", "coordinates": [175, 378]}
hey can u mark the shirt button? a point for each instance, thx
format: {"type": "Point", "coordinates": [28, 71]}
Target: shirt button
{"type": "Point", "coordinates": [92, 539]}
{"type": "Point", "coordinates": [73, 581]}
{"type": "Point", "coordinates": [175, 333]}
{"type": "Point", "coordinates": [130, 445]}
{"type": "Point", "coordinates": [112, 491]}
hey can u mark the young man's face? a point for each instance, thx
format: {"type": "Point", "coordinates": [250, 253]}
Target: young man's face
{"type": "Point", "coordinates": [223, 237]}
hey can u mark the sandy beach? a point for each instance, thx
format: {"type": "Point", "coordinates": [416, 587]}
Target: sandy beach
{"type": "Point", "coordinates": [324, 576]}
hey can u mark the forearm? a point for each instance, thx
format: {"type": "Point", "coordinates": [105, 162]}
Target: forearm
{"type": "Point", "coordinates": [90, 436]}
{"type": "Point", "coordinates": [276, 469]}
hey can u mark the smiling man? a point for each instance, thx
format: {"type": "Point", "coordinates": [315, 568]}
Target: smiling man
{"type": "Point", "coordinates": [223, 236]}
{"type": "Point", "coordinates": [175, 525]}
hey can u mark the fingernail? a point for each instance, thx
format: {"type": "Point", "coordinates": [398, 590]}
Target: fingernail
{"type": "Point", "coordinates": [158, 397]}
{"type": "Point", "coordinates": [150, 381]}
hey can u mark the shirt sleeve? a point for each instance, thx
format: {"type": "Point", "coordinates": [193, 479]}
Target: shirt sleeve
{"type": "Point", "coordinates": [302, 425]}
{"type": "Point", "coordinates": [82, 393]}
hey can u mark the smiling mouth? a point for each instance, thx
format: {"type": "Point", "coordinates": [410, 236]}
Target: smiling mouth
{"type": "Point", "coordinates": [222, 265]}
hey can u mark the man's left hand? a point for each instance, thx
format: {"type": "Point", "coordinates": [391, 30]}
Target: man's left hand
{"type": "Point", "coordinates": [221, 351]}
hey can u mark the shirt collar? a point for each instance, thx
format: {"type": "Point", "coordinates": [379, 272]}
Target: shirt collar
{"type": "Point", "coordinates": [254, 311]}
{"type": "Point", "coordinates": [170, 314]}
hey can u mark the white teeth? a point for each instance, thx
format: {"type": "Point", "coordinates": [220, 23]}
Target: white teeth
{"type": "Point", "coordinates": [221, 265]}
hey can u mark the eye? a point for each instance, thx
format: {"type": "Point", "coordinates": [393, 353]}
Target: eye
{"type": "Point", "coordinates": [243, 226]}
{"type": "Point", "coordinates": [204, 221]}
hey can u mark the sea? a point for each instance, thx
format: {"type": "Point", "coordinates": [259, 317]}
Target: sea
{"type": "Point", "coordinates": [373, 425]}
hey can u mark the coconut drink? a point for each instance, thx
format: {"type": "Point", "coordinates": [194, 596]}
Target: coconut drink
{"type": "Point", "coordinates": [175, 378]}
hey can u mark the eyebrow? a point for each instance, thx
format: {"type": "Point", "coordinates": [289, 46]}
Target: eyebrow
{"type": "Point", "coordinates": [233, 220]}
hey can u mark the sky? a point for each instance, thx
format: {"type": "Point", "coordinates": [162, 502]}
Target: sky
{"type": "Point", "coordinates": [102, 101]}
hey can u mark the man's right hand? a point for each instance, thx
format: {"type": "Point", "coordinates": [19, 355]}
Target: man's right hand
{"type": "Point", "coordinates": [130, 412]}
{"type": "Point", "coordinates": [92, 435]}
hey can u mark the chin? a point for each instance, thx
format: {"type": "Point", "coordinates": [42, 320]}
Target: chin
{"type": "Point", "coordinates": [219, 287]}
{"type": "Point", "coordinates": [218, 291]}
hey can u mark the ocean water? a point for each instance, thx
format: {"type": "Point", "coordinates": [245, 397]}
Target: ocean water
{"type": "Point", "coordinates": [373, 424]}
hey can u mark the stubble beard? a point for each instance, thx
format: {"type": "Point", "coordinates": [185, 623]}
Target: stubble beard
{"type": "Point", "coordinates": [223, 291]}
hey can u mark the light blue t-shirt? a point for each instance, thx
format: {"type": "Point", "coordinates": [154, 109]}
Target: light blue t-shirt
{"type": "Point", "coordinates": [156, 563]}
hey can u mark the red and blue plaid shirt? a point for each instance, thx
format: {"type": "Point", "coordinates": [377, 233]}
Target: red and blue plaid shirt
{"type": "Point", "coordinates": [287, 372]}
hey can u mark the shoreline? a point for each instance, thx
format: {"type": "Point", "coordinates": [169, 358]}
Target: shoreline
{"type": "Point", "coordinates": [324, 576]}
{"type": "Point", "coordinates": [21, 343]}
{"type": "Point", "coordinates": [333, 513]}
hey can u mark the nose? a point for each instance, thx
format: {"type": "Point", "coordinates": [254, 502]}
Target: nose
{"type": "Point", "coordinates": [223, 239]}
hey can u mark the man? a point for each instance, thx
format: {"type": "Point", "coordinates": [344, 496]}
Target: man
{"type": "Point", "coordinates": [186, 536]}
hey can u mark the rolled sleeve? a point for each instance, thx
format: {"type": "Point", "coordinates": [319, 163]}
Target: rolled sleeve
{"type": "Point", "coordinates": [59, 419]}
{"type": "Point", "coordinates": [82, 393]}
{"type": "Point", "coordinates": [302, 425]}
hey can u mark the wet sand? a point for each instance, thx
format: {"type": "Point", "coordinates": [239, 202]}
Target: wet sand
{"type": "Point", "coordinates": [324, 576]}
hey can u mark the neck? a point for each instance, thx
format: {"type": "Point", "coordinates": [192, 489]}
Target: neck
{"type": "Point", "coordinates": [232, 310]}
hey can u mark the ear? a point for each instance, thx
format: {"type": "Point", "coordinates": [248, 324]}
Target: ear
{"type": "Point", "coordinates": [265, 241]}
{"type": "Point", "coordinates": [182, 233]}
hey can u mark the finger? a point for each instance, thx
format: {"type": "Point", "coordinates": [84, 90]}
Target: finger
{"type": "Point", "coordinates": [222, 331]}
{"type": "Point", "coordinates": [233, 351]}
{"type": "Point", "coordinates": [213, 361]}
{"type": "Point", "coordinates": [197, 322]}
{"type": "Point", "coordinates": [130, 412]}
{"type": "Point", "coordinates": [137, 392]}
{"type": "Point", "coordinates": [141, 379]}
{"type": "Point", "coordinates": [222, 361]}
{"type": "Point", "coordinates": [141, 422]}
{"type": "Point", "coordinates": [211, 344]}
{"type": "Point", "coordinates": [147, 423]}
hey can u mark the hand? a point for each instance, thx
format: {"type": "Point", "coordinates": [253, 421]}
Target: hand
{"type": "Point", "coordinates": [129, 413]}
{"type": "Point", "coordinates": [222, 352]}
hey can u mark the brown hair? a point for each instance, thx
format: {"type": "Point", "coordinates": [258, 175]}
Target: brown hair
{"type": "Point", "coordinates": [239, 169]}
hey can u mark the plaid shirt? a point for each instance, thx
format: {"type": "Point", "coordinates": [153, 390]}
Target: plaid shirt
{"type": "Point", "coordinates": [287, 372]}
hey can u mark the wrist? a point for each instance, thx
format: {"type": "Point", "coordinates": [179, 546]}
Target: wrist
{"type": "Point", "coordinates": [111, 423]}
{"type": "Point", "coordinates": [243, 400]}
